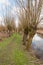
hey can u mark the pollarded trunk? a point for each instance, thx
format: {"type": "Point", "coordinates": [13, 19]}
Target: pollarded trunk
{"type": "Point", "coordinates": [29, 42]}
{"type": "Point", "coordinates": [25, 35]}
{"type": "Point", "coordinates": [29, 39]}
{"type": "Point", "coordinates": [28, 36]}
{"type": "Point", "coordinates": [24, 39]}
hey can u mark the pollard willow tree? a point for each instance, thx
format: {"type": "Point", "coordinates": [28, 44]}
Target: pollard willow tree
{"type": "Point", "coordinates": [10, 24]}
{"type": "Point", "coordinates": [30, 18]}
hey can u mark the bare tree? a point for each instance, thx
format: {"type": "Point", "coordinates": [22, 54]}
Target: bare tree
{"type": "Point", "coordinates": [30, 18]}
{"type": "Point", "coordinates": [9, 23]}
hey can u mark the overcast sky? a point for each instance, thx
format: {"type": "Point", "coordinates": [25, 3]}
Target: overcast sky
{"type": "Point", "coordinates": [7, 5]}
{"type": "Point", "coordinates": [11, 6]}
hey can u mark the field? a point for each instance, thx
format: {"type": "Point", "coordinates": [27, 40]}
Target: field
{"type": "Point", "coordinates": [12, 52]}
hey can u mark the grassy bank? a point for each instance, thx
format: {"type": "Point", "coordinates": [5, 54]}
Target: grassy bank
{"type": "Point", "coordinates": [13, 52]}
{"type": "Point", "coordinates": [6, 41]}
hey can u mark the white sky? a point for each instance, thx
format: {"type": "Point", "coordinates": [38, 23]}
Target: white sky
{"type": "Point", "coordinates": [6, 2]}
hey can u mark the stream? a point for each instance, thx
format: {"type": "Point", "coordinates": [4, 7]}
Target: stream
{"type": "Point", "coordinates": [37, 45]}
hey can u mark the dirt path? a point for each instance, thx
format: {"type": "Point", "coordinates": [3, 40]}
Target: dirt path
{"type": "Point", "coordinates": [6, 57]}
{"type": "Point", "coordinates": [5, 54]}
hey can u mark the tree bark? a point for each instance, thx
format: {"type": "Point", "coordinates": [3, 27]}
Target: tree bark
{"type": "Point", "coordinates": [29, 42]}
{"type": "Point", "coordinates": [24, 39]}
{"type": "Point", "coordinates": [25, 35]}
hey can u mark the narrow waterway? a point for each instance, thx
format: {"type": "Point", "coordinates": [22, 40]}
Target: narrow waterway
{"type": "Point", "coordinates": [37, 45]}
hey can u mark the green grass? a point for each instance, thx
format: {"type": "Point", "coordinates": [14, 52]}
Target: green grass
{"type": "Point", "coordinates": [6, 41]}
{"type": "Point", "coordinates": [13, 54]}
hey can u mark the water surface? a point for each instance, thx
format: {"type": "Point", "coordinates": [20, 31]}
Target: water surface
{"type": "Point", "coordinates": [37, 45]}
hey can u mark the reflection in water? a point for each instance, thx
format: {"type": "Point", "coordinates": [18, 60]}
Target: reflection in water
{"type": "Point", "coordinates": [37, 45]}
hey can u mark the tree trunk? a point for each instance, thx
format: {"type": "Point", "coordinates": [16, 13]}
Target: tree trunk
{"type": "Point", "coordinates": [25, 35]}
{"type": "Point", "coordinates": [24, 39]}
{"type": "Point", "coordinates": [29, 42]}
{"type": "Point", "coordinates": [28, 36]}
